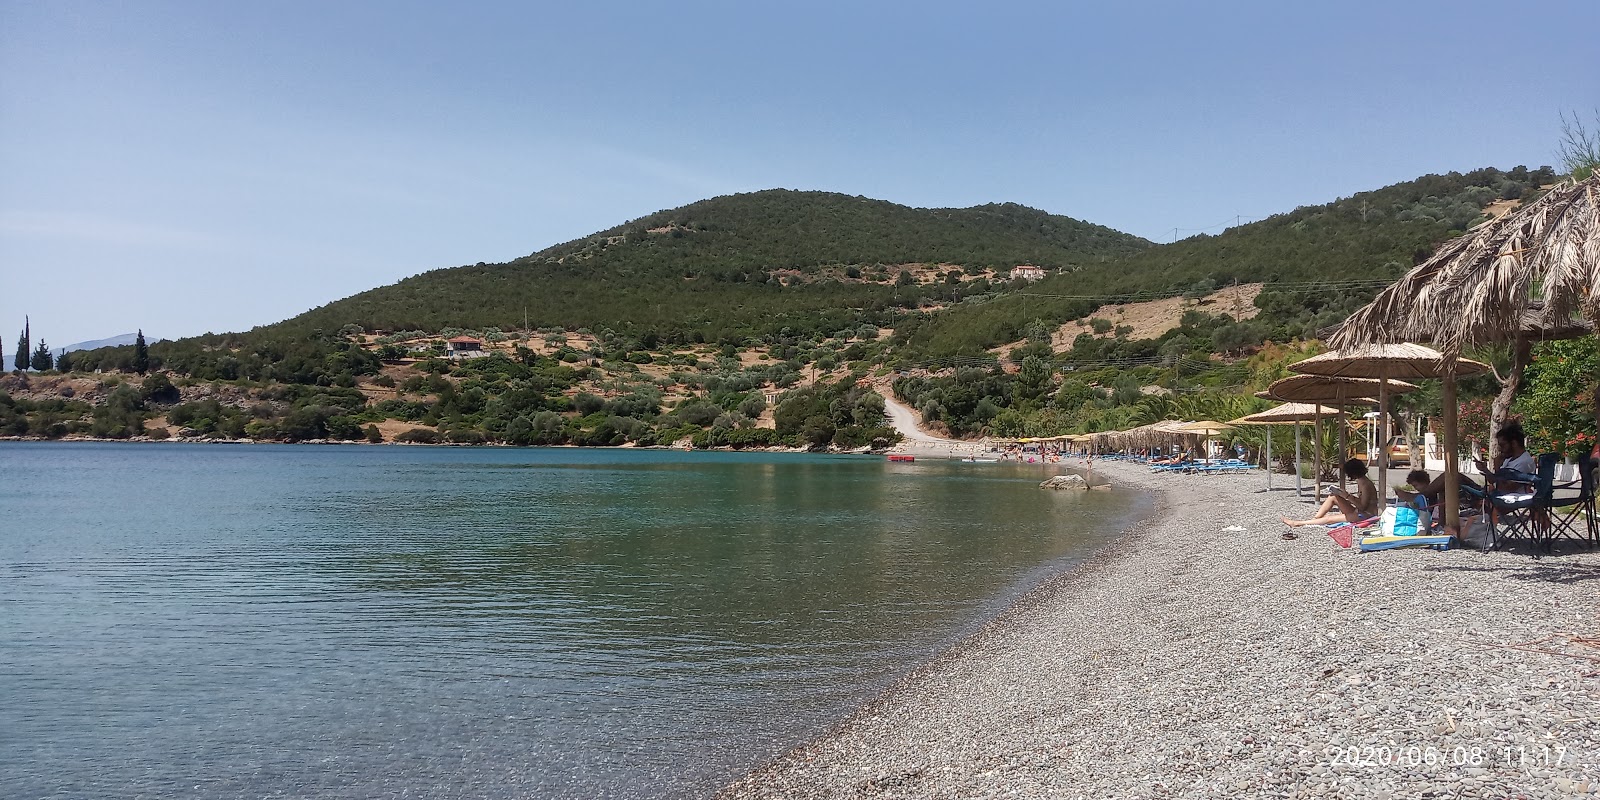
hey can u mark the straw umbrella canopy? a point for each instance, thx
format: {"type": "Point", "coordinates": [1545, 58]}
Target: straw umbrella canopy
{"type": "Point", "coordinates": [1206, 428]}
{"type": "Point", "coordinates": [1286, 414]}
{"type": "Point", "coordinates": [1536, 270]}
{"type": "Point", "coordinates": [1332, 391]}
{"type": "Point", "coordinates": [1386, 361]}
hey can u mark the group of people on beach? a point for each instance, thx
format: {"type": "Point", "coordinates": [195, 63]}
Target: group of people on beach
{"type": "Point", "coordinates": [1508, 474]}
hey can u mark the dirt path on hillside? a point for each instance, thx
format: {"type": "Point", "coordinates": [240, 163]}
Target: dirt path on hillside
{"type": "Point", "coordinates": [904, 420]}
{"type": "Point", "coordinates": [919, 442]}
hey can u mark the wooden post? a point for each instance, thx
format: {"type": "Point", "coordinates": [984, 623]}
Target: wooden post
{"type": "Point", "coordinates": [1269, 457]}
{"type": "Point", "coordinates": [1452, 473]}
{"type": "Point", "coordinates": [1299, 490]}
{"type": "Point", "coordinates": [1344, 449]}
{"type": "Point", "coordinates": [1316, 456]}
{"type": "Point", "coordinates": [1383, 438]}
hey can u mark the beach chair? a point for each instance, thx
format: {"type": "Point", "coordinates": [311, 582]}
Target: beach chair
{"type": "Point", "coordinates": [1574, 517]}
{"type": "Point", "coordinates": [1524, 516]}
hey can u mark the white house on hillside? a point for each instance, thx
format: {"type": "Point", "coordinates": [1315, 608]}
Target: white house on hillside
{"type": "Point", "coordinates": [464, 347]}
{"type": "Point", "coordinates": [1027, 272]}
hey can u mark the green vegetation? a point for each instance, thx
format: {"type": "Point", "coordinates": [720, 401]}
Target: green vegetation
{"type": "Point", "coordinates": [23, 362]}
{"type": "Point", "coordinates": [1558, 399]}
{"type": "Point", "coordinates": [1319, 263]}
{"type": "Point", "coordinates": [731, 268]}
{"type": "Point", "coordinates": [753, 321]}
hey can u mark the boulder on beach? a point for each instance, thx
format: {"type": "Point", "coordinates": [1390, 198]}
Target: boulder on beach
{"type": "Point", "coordinates": [1064, 482]}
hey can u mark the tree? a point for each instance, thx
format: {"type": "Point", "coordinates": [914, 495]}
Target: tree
{"type": "Point", "coordinates": [41, 357]}
{"type": "Point", "coordinates": [22, 344]}
{"type": "Point", "coordinates": [141, 354]}
{"type": "Point", "coordinates": [1580, 147]}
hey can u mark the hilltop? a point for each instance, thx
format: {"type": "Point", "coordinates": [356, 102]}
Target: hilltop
{"type": "Point", "coordinates": [732, 267]}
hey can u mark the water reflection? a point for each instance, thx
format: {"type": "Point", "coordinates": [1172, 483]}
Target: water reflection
{"type": "Point", "coordinates": [357, 621]}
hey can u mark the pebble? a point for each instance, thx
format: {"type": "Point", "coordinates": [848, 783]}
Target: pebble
{"type": "Point", "coordinates": [1188, 663]}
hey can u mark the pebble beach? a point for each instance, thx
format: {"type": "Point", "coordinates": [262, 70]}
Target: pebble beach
{"type": "Point", "coordinates": [1204, 655]}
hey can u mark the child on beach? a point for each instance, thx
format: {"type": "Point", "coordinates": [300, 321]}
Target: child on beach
{"type": "Point", "coordinates": [1351, 507]}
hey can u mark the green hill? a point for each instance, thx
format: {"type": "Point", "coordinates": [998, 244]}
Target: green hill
{"type": "Point", "coordinates": [1319, 263]}
{"type": "Point", "coordinates": [728, 268]}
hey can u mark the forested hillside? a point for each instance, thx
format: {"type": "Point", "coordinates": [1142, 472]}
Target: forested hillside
{"type": "Point", "coordinates": [1319, 263]}
{"type": "Point", "coordinates": [731, 267]}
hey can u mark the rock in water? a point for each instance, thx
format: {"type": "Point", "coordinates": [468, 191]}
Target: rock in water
{"type": "Point", "coordinates": [1064, 482]}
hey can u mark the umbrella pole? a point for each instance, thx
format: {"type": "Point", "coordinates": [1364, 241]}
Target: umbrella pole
{"type": "Point", "coordinates": [1383, 438]}
{"type": "Point", "coordinates": [1316, 457]}
{"type": "Point", "coordinates": [1269, 458]}
{"type": "Point", "coordinates": [1452, 474]}
{"type": "Point", "coordinates": [1299, 490]}
{"type": "Point", "coordinates": [1344, 449]}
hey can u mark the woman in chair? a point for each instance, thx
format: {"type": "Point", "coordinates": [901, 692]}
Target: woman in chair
{"type": "Point", "coordinates": [1351, 507]}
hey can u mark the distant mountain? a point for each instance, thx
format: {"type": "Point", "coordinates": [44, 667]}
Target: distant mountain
{"type": "Point", "coordinates": [730, 267]}
{"type": "Point", "coordinates": [119, 340]}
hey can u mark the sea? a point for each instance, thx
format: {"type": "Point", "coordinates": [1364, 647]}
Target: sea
{"type": "Point", "coordinates": [338, 621]}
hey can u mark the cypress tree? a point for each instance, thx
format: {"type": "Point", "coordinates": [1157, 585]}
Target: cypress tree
{"type": "Point", "coordinates": [22, 344]}
{"type": "Point", "coordinates": [141, 354]}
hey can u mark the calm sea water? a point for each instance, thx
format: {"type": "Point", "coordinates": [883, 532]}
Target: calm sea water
{"type": "Point", "coordinates": [221, 621]}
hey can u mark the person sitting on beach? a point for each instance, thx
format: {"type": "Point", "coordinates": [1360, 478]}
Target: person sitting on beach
{"type": "Point", "coordinates": [1351, 507]}
{"type": "Point", "coordinates": [1417, 485]}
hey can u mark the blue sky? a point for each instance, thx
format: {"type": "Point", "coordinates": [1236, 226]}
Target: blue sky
{"type": "Point", "coordinates": [193, 167]}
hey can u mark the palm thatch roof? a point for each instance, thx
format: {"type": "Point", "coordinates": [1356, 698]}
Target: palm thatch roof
{"type": "Point", "coordinates": [1535, 271]}
{"type": "Point", "coordinates": [1288, 413]}
{"type": "Point", "coordinates": [1332, 391]}
{"type": "Point", "coordinates": [1405, 361]}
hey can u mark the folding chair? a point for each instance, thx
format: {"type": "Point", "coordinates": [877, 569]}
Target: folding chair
{"type": "Point", "coordinates": [1578, 520]}
{"type": "Point", "coordinates": [1526, 516]}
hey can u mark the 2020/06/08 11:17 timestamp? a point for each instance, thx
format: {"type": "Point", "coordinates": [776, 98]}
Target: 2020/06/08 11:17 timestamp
{"type": "Point", "coordinates": [1428, 755]}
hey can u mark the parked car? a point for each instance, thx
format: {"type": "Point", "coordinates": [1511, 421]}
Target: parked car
{"type": "Point", "coordinates": [1397, 453]}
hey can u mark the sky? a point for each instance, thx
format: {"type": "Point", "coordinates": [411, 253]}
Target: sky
{"type": "Point", "coordinates": [192, 167]}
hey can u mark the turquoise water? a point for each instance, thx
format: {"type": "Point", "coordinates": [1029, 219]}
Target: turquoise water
{"type": "Point", "coordinates": [340, 621]}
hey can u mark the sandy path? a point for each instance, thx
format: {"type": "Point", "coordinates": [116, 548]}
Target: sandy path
{"type": "Point", "coordinates": [918, 442]}
{"type": "Point", "coordinates": [905, 420]}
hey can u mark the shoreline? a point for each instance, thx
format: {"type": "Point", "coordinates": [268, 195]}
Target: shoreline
{"type": "Point", "coordinates": [1187, 660]}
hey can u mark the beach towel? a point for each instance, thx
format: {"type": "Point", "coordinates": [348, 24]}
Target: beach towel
{"type": "Point", "coordinates": [1342, 535]}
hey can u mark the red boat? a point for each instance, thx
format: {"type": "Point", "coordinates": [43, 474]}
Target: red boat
{"type": "Point", "coordinates": [902, 457]}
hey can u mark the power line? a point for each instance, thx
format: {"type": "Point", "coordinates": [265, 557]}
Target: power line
{"type": "Point", "coordinates": [1283, 286]}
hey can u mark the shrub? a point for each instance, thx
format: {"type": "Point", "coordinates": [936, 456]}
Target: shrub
{"type": "Point", "coordinates": [419, 436]}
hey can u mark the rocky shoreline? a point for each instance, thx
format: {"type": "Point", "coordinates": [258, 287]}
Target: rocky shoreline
{"type": "Point", "coordinates": [1206, 656]}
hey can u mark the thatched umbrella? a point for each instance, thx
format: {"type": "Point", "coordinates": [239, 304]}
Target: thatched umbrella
{"type": "Point", "coordinates": [1534, 273]}
{"type": "Point", "coordinates": [1332, 391]}
{"type": "Point", "coordinates": [1286, 414]}
{"type": "Point", "coordinates": [1206, 428]}
{"type": "Point", "coordinates": [1384, 361]}
{"type": "Point", "coordinates": [1534, 270]}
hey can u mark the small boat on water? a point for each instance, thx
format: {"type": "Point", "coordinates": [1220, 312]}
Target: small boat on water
{"type": "Point", "coordinates": [901, 457]}
{"type": "Point", "coordinates": [976, 460]}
